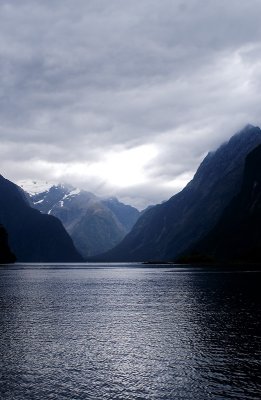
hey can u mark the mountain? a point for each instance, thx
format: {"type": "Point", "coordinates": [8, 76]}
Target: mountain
{"type": "Point", "coordinates": [95, 224]}
{"type": "Point", "coordinates": [6, 255]}
{"type": "Point", "coordinates": [33, 236]}
{"type": "Point", "coordinates": [237, 235]}
{"type": "Point", "coordinates": [125, 214]}
{"type": "Point", "coordinates": [166, 230]}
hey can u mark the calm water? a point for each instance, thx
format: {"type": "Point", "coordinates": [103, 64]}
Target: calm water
{"type": "Point", "coordinates": [129, 332]}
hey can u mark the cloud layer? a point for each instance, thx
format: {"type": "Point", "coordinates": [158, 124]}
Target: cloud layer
{"type": "Point", "coordinates": [95, 89]}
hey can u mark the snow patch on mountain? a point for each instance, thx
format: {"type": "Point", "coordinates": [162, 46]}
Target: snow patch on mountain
{"type": "Point", "coordinates": [74, 192]}
{"type": "Point", "coordinates": [38, 202]}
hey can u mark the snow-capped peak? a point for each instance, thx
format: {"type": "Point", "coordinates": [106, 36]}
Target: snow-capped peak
{"type": "Point", "coordinates": [34, 187]}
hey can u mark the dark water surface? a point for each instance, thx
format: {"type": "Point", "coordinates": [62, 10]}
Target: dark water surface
{"type": "Point", "coordinates": [129, 332]}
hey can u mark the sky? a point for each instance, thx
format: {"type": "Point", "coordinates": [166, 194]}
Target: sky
{"type": "Point", "coordinates": [124, 98]}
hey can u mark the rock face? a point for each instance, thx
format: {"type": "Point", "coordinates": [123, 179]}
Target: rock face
{"type": "Point", "coordinates": [95, 224]}
{"type": "Point", "coordinates": [34, 237]}
{"type": "Point", "coordinates": [166, 230]}
{"type": "Point", "coordinates": [6, 255]}
{"type": "Point", "coordinates": [237, 235]}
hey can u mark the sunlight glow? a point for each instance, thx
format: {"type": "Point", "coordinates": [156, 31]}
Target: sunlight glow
{"type": "Point", "coordinates": [122, 169]}
{"type": "Point", "coordinates": [125, 168]}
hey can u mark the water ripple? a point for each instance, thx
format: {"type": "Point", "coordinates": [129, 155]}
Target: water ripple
{"type": "Point", "coordinates": [129, 333]}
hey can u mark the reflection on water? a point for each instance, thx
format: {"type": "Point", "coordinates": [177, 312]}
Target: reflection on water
{"type": "Point", "coordinates": [129, 332]}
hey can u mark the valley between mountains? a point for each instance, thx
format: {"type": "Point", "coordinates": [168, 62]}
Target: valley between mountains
{"type": "Point", "coordinates": [215, 218]}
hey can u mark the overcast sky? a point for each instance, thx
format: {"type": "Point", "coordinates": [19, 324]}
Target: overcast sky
{"type": "Point", "coordinates": [124, 97]}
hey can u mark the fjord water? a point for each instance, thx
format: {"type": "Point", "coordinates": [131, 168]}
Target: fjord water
{"type": "Point", "coordinates": [129, 332]}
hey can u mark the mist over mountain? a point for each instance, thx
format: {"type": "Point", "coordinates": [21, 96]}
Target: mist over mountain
{"type": "Point", "coordinates": [33, 236]}
{"type": "Point", "coordinates": [166, 230]}
{"type": "Point", "coordinates": [95, 224]}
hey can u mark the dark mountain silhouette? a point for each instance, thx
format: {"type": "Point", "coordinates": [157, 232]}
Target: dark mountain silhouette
{"type": "Point", "coordinates": [166, 230]}
{"type": "Point", "coordinates": [34, 237]}
{"type": "Point", "coordinates": [6, 255]}
{"type": "Point", "coordinates": [237, 235]}
{"type": "Point", "coordinates": [95, 224]}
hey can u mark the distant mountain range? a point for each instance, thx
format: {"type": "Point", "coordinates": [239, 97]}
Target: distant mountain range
{"type": "Point", "coordinates": [95, 224]}
{"type": "Point", "coordinates": [33, 236]}
{"type": "Point", "coordinates": [166, 230]}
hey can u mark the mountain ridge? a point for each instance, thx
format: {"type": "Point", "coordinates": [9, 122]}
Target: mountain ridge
{"type": "Point", "coordinates": [33, 236]}
{"type": "Point", "coordinates": [167, 229]}
{"type": "Point", "coordinates": [236, 237]}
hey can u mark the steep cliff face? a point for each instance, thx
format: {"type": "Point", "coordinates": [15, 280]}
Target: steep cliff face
{"type": "Point", "coordinates": [237, 235]}
{"type": "Point", "coordinates": [33, 237]}
{"type": "Point", "coordinates": [6, 255]}
{"type": "Point", "coordinates": [166, 230]}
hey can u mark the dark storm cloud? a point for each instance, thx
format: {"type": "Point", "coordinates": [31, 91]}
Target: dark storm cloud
{"type": "Point", "coordinates": [81, 78]}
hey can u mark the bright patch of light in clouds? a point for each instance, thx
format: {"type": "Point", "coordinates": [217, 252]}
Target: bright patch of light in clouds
{"type": "Point", "coordinates": [122, 97]}
{"type": "Point", "coordinates": [125, 168]}
{"type": "Point", "coordinates": [122, 168]}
